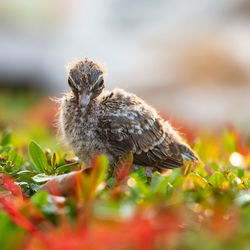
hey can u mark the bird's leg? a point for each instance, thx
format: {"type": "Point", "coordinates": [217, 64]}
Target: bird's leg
{"type": "Point", "coordinates": [148, 170]}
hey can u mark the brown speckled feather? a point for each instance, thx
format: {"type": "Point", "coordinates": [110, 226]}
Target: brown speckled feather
{"type": "Point", "coordinates": [130, 125]}
{"type": "Point", "coordinates": [94, 122]}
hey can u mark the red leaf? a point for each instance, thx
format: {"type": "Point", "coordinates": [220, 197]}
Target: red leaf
{"type": "Point", "coordinates": [123, 167]}
{"type": "Point", "coordinates": [11, 186]}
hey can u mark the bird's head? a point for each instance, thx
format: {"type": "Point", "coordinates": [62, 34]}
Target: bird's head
{"type": "Point", "coordinates": [86, 81]}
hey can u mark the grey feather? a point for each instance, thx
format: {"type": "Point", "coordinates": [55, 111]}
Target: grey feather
{"type": "Point", "coordinates": [117, 122]}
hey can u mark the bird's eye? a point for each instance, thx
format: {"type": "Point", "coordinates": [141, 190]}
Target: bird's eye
{"type": "Point", "coordinates": [100, 83]}
{"type": "Point", "coordinates": [71, 83]}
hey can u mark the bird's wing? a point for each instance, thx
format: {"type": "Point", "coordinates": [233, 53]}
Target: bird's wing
{"type": "Point", "coordinates": [143, 133]}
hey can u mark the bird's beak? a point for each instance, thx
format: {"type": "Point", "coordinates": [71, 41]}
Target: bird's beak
{"type": "Point", "coordinates": [84, 98]}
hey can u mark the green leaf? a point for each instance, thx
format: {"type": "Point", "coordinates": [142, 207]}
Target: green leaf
{"type": "Point", "coordinates": [11, 236]}
{"type": "Point", "coordinates": [159, 183]}
{"type": "Point", "coordinates": [198, 180]}
{"type": "Point", "coordinates": [216, 179]}
{"type": "Point", "coordinates": [6, 138]}
{"type": "Point", "coordinates": [25, 173]}
{"type": "Point", "coordinates": [111, 182]}
{"type": "Point", "coordinates": [18, 160]}
{"type": "Point", "coordinates": [246, 183]}
{"type": "Point", "coordinates": [156, 178]}
{"type": "Point", "coordinates": [5, 149]}
{"type": "Point", "coordinates": [141, 174]}
{"type": "Point", "coordinates": [99, 170]}
{"type": "Point", "coordinates": [40, 199]}
{"type": "Point", "coordinates": [229, 141]}
{"type": "Point", "coordinates": [240, 173]}
{"type": "Point", "coordinates": [174, 175]}
{"type": "Point", "coordinates": [24, 176]}
{"type": "Point", "coordinates": [43, 202]}
{"type": "Point", "coordinates": [53, 160]}
{"type": "Point", "coordinates": [38, 157]}
{"type": "Point", "coordinates": [140, 185]}
{"type": "Point", "coordinates": [13, 156]}
{"type": "Point", "coordinates": [161, 188]}
{"type": "Point", "coordinates": [40, 178]}
{"type": "Point", "coordinates": [34, 187]}
{"type": "Point", "coordinates": [66, 167]}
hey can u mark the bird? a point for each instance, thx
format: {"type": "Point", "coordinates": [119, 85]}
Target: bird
{"type": "Point", "coordinates": [95, 121]}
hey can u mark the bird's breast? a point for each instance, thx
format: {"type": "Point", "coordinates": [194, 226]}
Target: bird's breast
{"type": "Point", "coordinates": [79, 130]}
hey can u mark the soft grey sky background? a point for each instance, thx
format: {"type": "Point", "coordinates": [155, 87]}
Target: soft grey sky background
{"type": "Point", "coordinates": [190, 58]}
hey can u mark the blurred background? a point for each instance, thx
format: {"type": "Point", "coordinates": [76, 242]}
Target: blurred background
{"type": "Point", "coordinates": [189, 59]}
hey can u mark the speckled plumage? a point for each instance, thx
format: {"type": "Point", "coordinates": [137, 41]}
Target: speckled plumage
{"type": "Point", "coordinates": [93, 121]}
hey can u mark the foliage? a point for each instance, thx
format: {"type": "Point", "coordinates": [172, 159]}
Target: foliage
{"type": "Point", "coordinates": [94, 208]}
{"type": "Point", "coordinates": [50, 200]}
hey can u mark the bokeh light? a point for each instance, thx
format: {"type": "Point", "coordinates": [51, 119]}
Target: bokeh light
{"type": "Point", "coordinates": [236, 159]}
